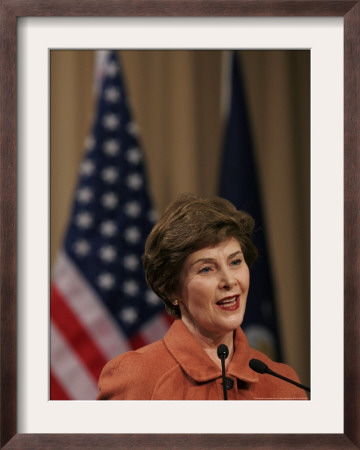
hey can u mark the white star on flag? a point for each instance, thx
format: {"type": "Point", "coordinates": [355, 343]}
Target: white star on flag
{"type": "Point", "coordinates": [108, 228]}
{"type": "Point", "coordinates": [128, 315]}
{"type": "Point", "coordinates": [132, 128]}
{"type": "Point", "coordinates": [87, 167]}
{"type": "Point", "coordinates": [84, 195]}
{"type": "Point", "coordinates": [84, 220]}
{"type": "Point", "coordinates": [134, 181]}
{"type": "Point", "coordinates": [109, 200]}
{"type": "Point", "coordinates": [152, 298]}
{"type": "Point", "coordinates": [153, 216]}
{"type": "Point", "coordinates": [130, 287]}
{"type": "Point", "coordinates": [82, 247]}
{"type": "Point", "coordinates": [111, 69]}
{"type": "Point", "coordinates": [111, 147]}
{"type": "Point", "coordinates": [132, 234]}
{"type": "Point", "coordinates": [131, 262]}
{"type": "Point", "coordinates": [111, 121]}
{"type": "Point", "coordinates": [106, 281]}
{"type": "Point", "coordinates": [133, 155]}
{"type": "Point", "coordinates": [112, 94]}
{"type": "Point", "coordinates": [107, 253]}
{"type": "Point", "coordinates": [109, 175]}
{"type": "Point", "coordinates": [132, 209]}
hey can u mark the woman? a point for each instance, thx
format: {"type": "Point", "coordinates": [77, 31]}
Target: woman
{"type": "Point", "coordinates": [197, 260]}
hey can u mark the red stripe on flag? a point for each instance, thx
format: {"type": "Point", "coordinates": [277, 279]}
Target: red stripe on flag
{"type": "Point", "coordinates": [139, 339]}
{"type": "Point", "coordinates": [76, 335]}
{"type": "Point", "coordinates": [56, 390]}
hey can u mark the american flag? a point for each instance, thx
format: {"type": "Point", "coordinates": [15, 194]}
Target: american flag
{"type": "Point", "coordinates": [100, 303]}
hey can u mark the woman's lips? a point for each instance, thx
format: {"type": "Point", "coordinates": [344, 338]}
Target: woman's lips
{"type": "Point", "coordinates": [229, 303]}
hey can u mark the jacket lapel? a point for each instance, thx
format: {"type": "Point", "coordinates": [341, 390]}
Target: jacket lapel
{"type": "Point", "coordinates": [197, 364]}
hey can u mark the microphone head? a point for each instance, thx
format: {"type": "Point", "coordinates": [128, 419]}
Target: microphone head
{"type": "Point", "coordinates": [222, 351]}
{"type": "Point", "coordinates": [258, 366]}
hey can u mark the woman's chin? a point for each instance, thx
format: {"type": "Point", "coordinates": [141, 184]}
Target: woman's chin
{"type": "Point", "coordinates": [232, 324]}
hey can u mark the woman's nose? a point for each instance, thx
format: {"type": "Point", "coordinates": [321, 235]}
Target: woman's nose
{"type": "Point", "coordinates": [227, 279]}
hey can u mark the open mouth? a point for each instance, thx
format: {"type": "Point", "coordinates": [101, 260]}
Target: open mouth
{"type": "Point", "coordinates": [229, 303]}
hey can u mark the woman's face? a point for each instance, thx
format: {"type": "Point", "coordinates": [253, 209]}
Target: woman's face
{"type": "Point", "coordinates": [214, 284]}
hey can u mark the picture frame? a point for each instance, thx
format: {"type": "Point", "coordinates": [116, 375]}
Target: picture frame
{"type": "Point", "coordinates": [11, 10]}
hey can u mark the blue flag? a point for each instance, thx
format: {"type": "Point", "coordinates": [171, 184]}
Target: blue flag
{"type": "Point", "coordinates": [239, 184]}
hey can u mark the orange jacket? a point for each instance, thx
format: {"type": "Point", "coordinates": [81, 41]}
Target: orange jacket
{"type": "Point", "coordinates": [177, 368]}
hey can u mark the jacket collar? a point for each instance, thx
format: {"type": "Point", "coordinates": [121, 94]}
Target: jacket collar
{"type": "Point", "coordinates": [197, 364]}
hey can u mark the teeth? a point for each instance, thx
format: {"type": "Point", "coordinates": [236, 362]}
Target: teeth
{"type": "Point", "coordinates": [227, 301]}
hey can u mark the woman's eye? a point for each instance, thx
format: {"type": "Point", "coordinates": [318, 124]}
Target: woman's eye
{"type": "Point", "coordinates": [205, 270]}
{"type": "Point", "coordinates": [236, 262]}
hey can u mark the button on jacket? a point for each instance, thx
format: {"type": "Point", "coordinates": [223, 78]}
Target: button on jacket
{"type": "Point", "coordinates": [177, 368]}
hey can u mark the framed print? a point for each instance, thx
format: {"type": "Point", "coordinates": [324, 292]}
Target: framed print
{"type": "Point", "coordinates": [12, 284]}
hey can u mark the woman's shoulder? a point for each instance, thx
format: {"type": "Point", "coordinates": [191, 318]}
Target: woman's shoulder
{"type": "Point", "coordinates": [131, 375]}
{"type": "Point", "coordinates": [140, 357]}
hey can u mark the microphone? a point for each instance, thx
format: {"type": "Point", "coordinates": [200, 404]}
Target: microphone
{"type": "Point", "coordinates": [223, 353]}
{"type": "Point", "coordinates": [260, 367]}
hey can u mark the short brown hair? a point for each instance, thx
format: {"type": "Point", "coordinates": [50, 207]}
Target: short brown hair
{"type": "Point", "coordinates": [189, 224]}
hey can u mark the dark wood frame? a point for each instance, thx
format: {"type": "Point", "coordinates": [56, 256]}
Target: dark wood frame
{"type": "Point", "coordinates": [11, 10]}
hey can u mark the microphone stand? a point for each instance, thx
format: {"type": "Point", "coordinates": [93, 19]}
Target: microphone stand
{"type": "Point", "coordinates": [224, 378]}
{"type": "Point", "coordinates": [260, 367]}
{"type": "Point", "coordinates": [270, 372]}
{"type": "Point", "coordinates": [223, 353]}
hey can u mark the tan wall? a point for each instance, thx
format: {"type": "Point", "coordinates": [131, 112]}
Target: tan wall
{"type": "Point", "coordinates": [177, 98]}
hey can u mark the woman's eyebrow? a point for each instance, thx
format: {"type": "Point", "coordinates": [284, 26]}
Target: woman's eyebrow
{"type": "Point", "coordinates": [203, 260]}
{"type": "Point", "coordinates": [238, 252]}
{"type": "Point", "coordinates": [211, 260]}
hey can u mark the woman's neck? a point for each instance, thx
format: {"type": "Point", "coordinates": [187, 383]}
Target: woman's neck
{"type": "Point", "coordinates": [211, 342]}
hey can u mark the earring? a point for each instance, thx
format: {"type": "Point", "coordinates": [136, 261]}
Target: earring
{"type": "Point", "coordinates": [175, 302]}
